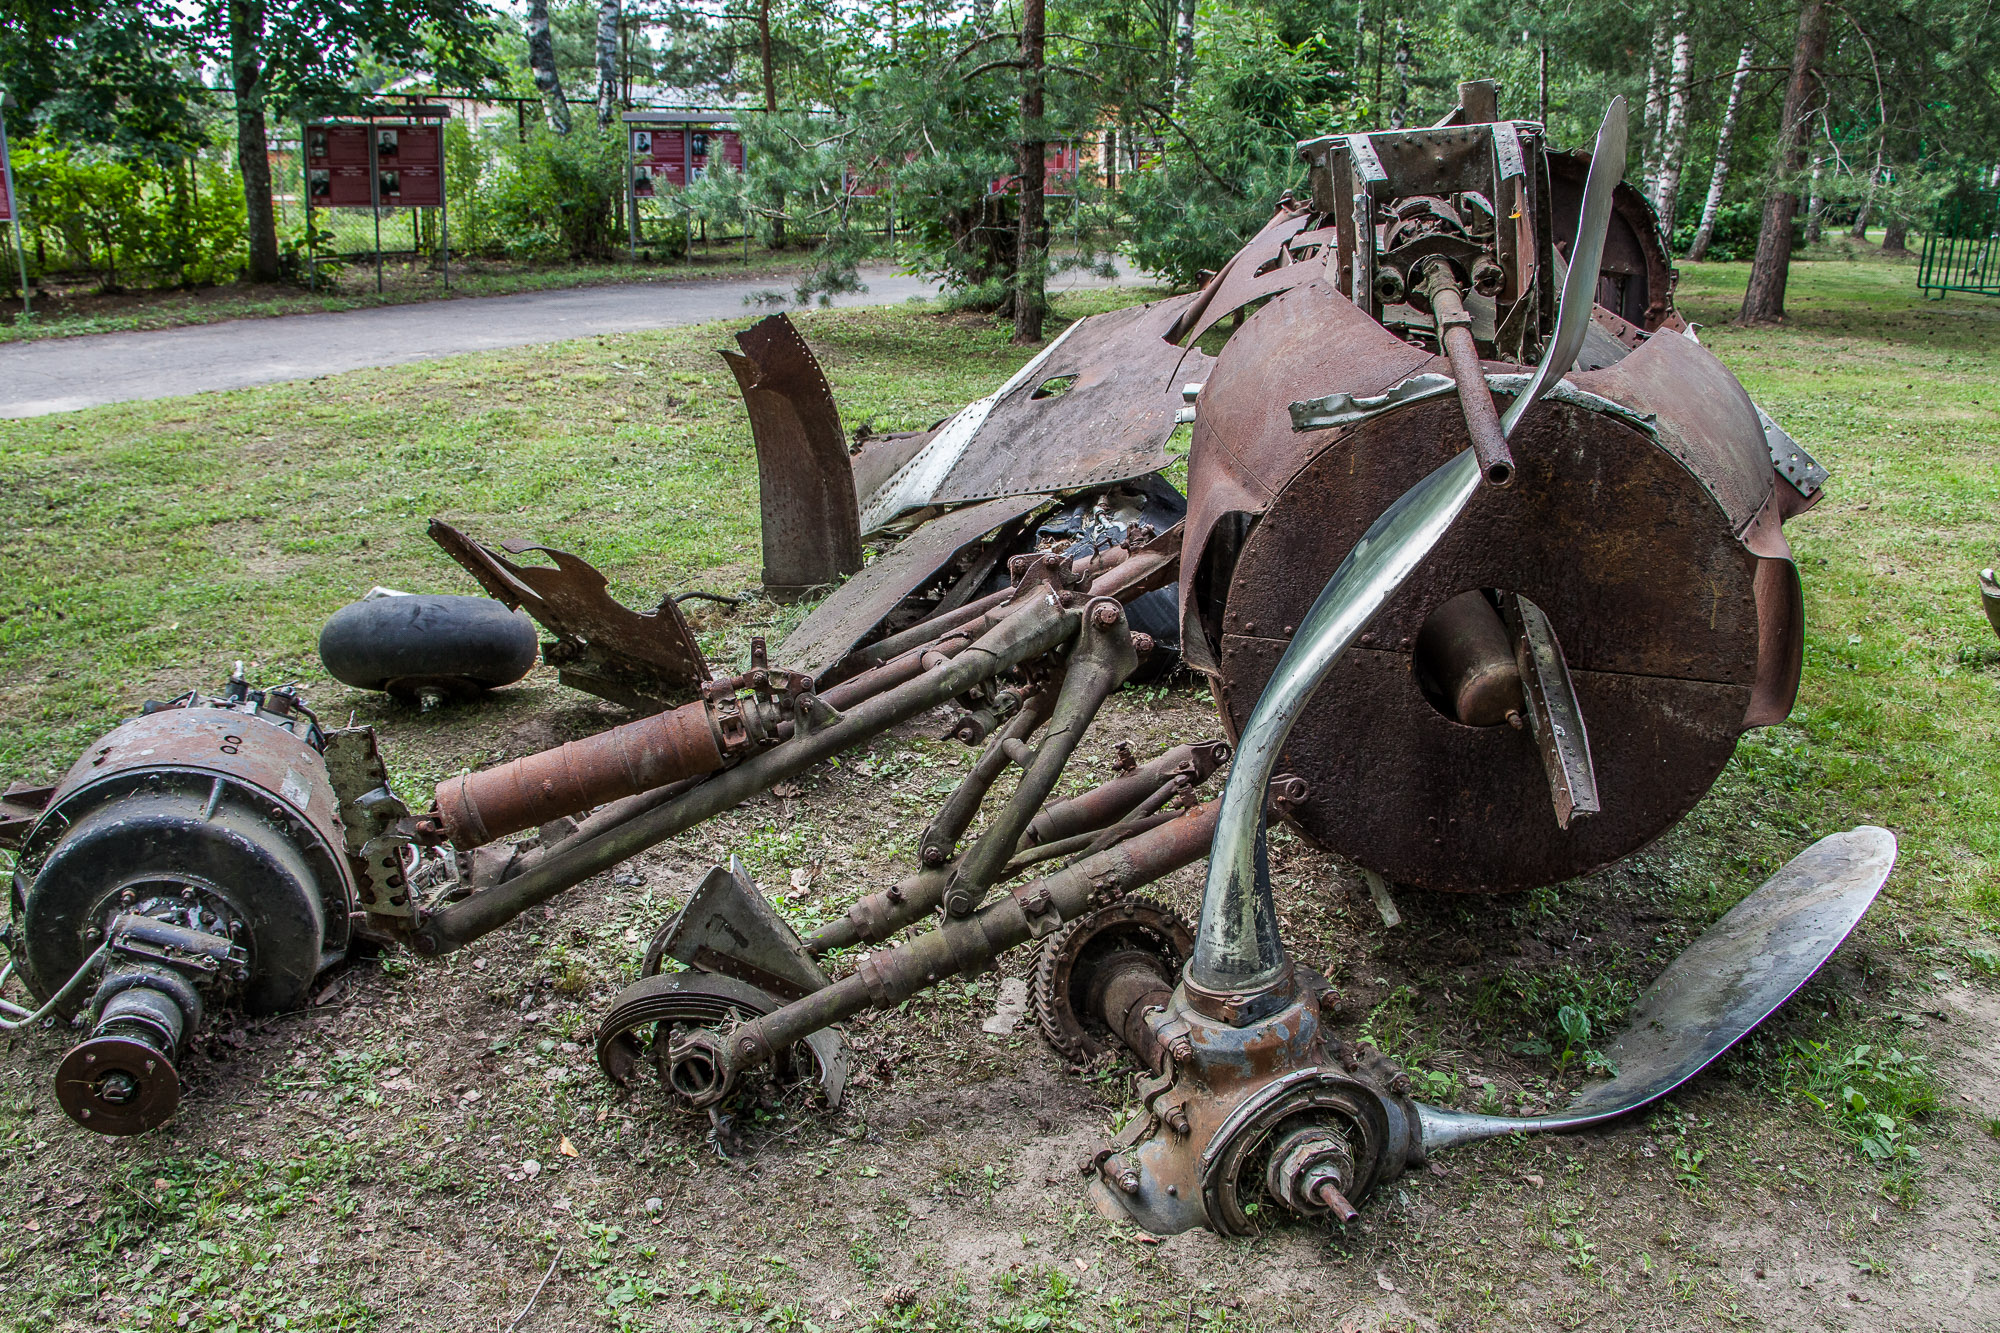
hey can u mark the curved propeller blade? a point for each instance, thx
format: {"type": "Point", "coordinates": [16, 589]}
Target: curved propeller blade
{"type": "Point", "coordinates": [1237, 942]}
{"type": "Point", "coordinates": [1586, 256]}
{"type": "Point", "coordinates": [1727, 982]}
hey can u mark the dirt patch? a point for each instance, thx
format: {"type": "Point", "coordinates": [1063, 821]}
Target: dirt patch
{"type": "Point", "coordinates": [398, 1155]}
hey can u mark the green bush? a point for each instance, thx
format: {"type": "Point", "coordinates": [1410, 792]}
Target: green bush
{"type": "Point", "coordinates": [550, 197]}
{"type": "Point", "coordinates": [126, 219]}
{"type": "Point", "coordinates": [1735, 235]}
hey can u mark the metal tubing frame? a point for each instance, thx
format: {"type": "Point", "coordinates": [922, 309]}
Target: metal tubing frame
{"type": "Point", "coordinates": [964, 945]}
{"type": "Point", "coordinates": [1035, 628]}
{"type": "Point", "coordinates": [1103, 657]}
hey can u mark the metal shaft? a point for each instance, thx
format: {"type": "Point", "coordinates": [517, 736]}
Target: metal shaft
{"type": "Point", "coordinates": [1103, 657]}
{"type": "Point", "coordinates": [1033, 629]}
{"type": "Point", "coordinates": [1482, 419]}
{"type": "Point", "coordinates": [966, 945]}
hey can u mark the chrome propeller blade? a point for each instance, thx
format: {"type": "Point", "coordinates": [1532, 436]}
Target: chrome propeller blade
{"type": "Point", "coordinates": [1579, 289]}
{"type": "Point", "coordinates": [1237, 942]}
{"type": "Point", "coordinates": [1727, 982]}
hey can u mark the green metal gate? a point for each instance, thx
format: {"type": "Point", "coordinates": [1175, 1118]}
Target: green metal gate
{"type": "Point", "coordinates": [1962, 248]}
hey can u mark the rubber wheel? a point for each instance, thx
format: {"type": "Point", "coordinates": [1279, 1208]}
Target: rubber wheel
{"type": "Point", "coordinates": [431, 640]}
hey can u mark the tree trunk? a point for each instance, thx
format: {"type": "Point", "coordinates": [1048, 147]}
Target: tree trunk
{"type": "Point", "coordinates": [1816, 203]}
{"type": "Point", "coordinates": [542, 61]}
{"type": "Point", "coordinates": [1673, 155]}
{"type": "Point", "coordinates": [1764, 298]}
{"type": "Point", "coordinates": [1183, 49]}
{"type": "Point", "coordinates": [1895, 237]}
{"type": "Point", "coordinates": [1724, 140]}
{"type": "Point", "coordinates": [770, 106]}
{"type": "Point", "coordinates": [1859, 231]}
{"type": "Point", "coordinates": [253, 155]}
{"type": "Point", "coordinates": [1542, 80]}
{"type": "Point", "coordinates": [607, 61]}
{"type": "Point", "coordinates": [1030, 298]}
{"type": "Point", "coordinates": [1656, 109]}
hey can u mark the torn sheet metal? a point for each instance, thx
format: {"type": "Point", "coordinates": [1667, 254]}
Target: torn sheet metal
{"type": "Point", "coordinates": [851, 614]}
{"type": "Point", "coordinates": [812, 534]}
{"type": "Point", "coordinates": [1095, 406]}
{"type": "Point", "coordinates": [1344, 409]}
{"type": "Point", "coordinates": [646, 661]}
{"type": "Point", "coordinates": [1264, 267]}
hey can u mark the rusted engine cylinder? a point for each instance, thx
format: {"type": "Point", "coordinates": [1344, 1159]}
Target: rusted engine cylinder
{"type": "Point", "coordinates": [194, 857]}
{"type": "Point", "coordinates": [524, 793]}
{"type": "Point", "coordinates": [1643, 522]}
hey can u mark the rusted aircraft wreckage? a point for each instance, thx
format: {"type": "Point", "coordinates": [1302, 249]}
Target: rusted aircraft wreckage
{"type": "Point", "coordinates": [1481, 553]}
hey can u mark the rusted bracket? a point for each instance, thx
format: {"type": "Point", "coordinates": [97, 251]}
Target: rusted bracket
{"type": "Point", "coordinates": [644, 661]}
{"type": "Point", "coordinates": [1103, 657]}
{"type": "Point", "coordinates": [1554, 718]}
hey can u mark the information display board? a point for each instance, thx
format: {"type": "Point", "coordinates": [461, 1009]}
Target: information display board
{"type": "Point", "coordinates": [670, 156]}
{"type": "Point", "coordinates": [345, 164]}
{"type": "Point", "coordinates": [6, 183]}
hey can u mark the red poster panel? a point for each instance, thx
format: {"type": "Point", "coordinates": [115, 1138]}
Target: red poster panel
{"type": "Point", "coordinates": [6, 175]}
{"type": "Point", "coordinates": [669, 157]}
{"type": "Point", "coordinates": [337, 166]}
{"type": "Point", "coordinates": [410, 161]}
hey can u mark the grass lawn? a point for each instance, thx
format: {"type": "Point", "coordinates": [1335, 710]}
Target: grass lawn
{"type": "Point", "coordinates": [365, 1164]}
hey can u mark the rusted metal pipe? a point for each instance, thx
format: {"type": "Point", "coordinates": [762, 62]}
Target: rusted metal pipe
{"type": "Point", "coordinates": [1103, 657]}
{"type": "Point", "coordinates": [955, 816]}
{"type": "Point", "coordinates": [1482, 418]}
{"type": "Point", "coordinates": [523, 793]}
{"type": "Point", "coordinates": [967, 945]}
{"type": "Point", "coordinates": [1466, 651]}
{"type": "Point", "coordinates": [1032, 630]}
{"type": "Point", "coordinates": [1117, 798]}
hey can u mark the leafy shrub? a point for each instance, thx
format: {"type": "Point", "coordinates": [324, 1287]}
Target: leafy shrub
{"type": "Point", "coordinates": [550, 196]}
{"type": "Point", "coordinates": [126, 218]}
{"type": "Point", "coordinates": [1735, 236]}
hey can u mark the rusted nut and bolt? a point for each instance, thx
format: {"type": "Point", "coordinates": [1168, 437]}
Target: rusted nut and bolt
{"type": "Point", "coordinates": [1106, 614]}
{"type": "Point", "coordinates": [1142, 644]}
{"type": "Point", "coordinates": [1181, 1048]}
{"type": "Point", "coordinates": [1400, 1085]}
{"type": "Point", "coordinates": [1177, 1121]}
{"type": "Point", "coordinates": [933, 856]}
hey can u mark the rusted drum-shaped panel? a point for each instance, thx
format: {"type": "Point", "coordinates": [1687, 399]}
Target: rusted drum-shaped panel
{"type": "Point", "coordinates": [1625, 527]}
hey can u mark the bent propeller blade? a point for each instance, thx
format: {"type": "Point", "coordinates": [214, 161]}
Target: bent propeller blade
{"type": "Point", "coordinates": [1736, 975]}
{"type": "Point", "coordinates": [1579, 289]}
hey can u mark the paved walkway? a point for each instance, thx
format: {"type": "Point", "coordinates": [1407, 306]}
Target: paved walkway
{"type": "Point", "coordinates": [65, 374]}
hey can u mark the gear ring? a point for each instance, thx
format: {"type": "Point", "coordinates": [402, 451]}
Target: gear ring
{"type": "Point", "coordinates": [669, 1001]}
{"type": "Point", "coordinates": [1069, 961]}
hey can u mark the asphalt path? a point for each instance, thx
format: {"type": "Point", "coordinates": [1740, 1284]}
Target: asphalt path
{"type": "Point", "coordinates": [66, 374]}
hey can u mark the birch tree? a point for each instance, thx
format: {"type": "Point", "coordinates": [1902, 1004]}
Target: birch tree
{"type": "Point", "coordinates": [1725, 139]}
{"type": "Point", "coordinates": [607, 60]}
{"type": "Point", "coordinates": [1673, 153]}
{"type": "Point", "coordinates": [542, 62]}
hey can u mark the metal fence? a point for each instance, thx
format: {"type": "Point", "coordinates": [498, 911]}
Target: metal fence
{"type": "Point", "coordinates": [1962, 248]}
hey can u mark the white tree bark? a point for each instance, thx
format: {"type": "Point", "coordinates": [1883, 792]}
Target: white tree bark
{"type": "Point", "coordinates": [1656, 108]}
{"type": "Point", "coordinates": [1723, 140]}
{"type": "Point", "coordinates": [542, 60]}
{"type": "Point", "coordinates": [607, 61]}
{"type": "Point", "coordinates": [1674, 135]}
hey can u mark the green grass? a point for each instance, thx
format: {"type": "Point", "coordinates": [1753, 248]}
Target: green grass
{"type": "Point", "coordinates": [152, 544]}
{"type": "Point", "coordinates": [1900, 707]}
{"type": "Point", "coordinates": [155, 543]}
